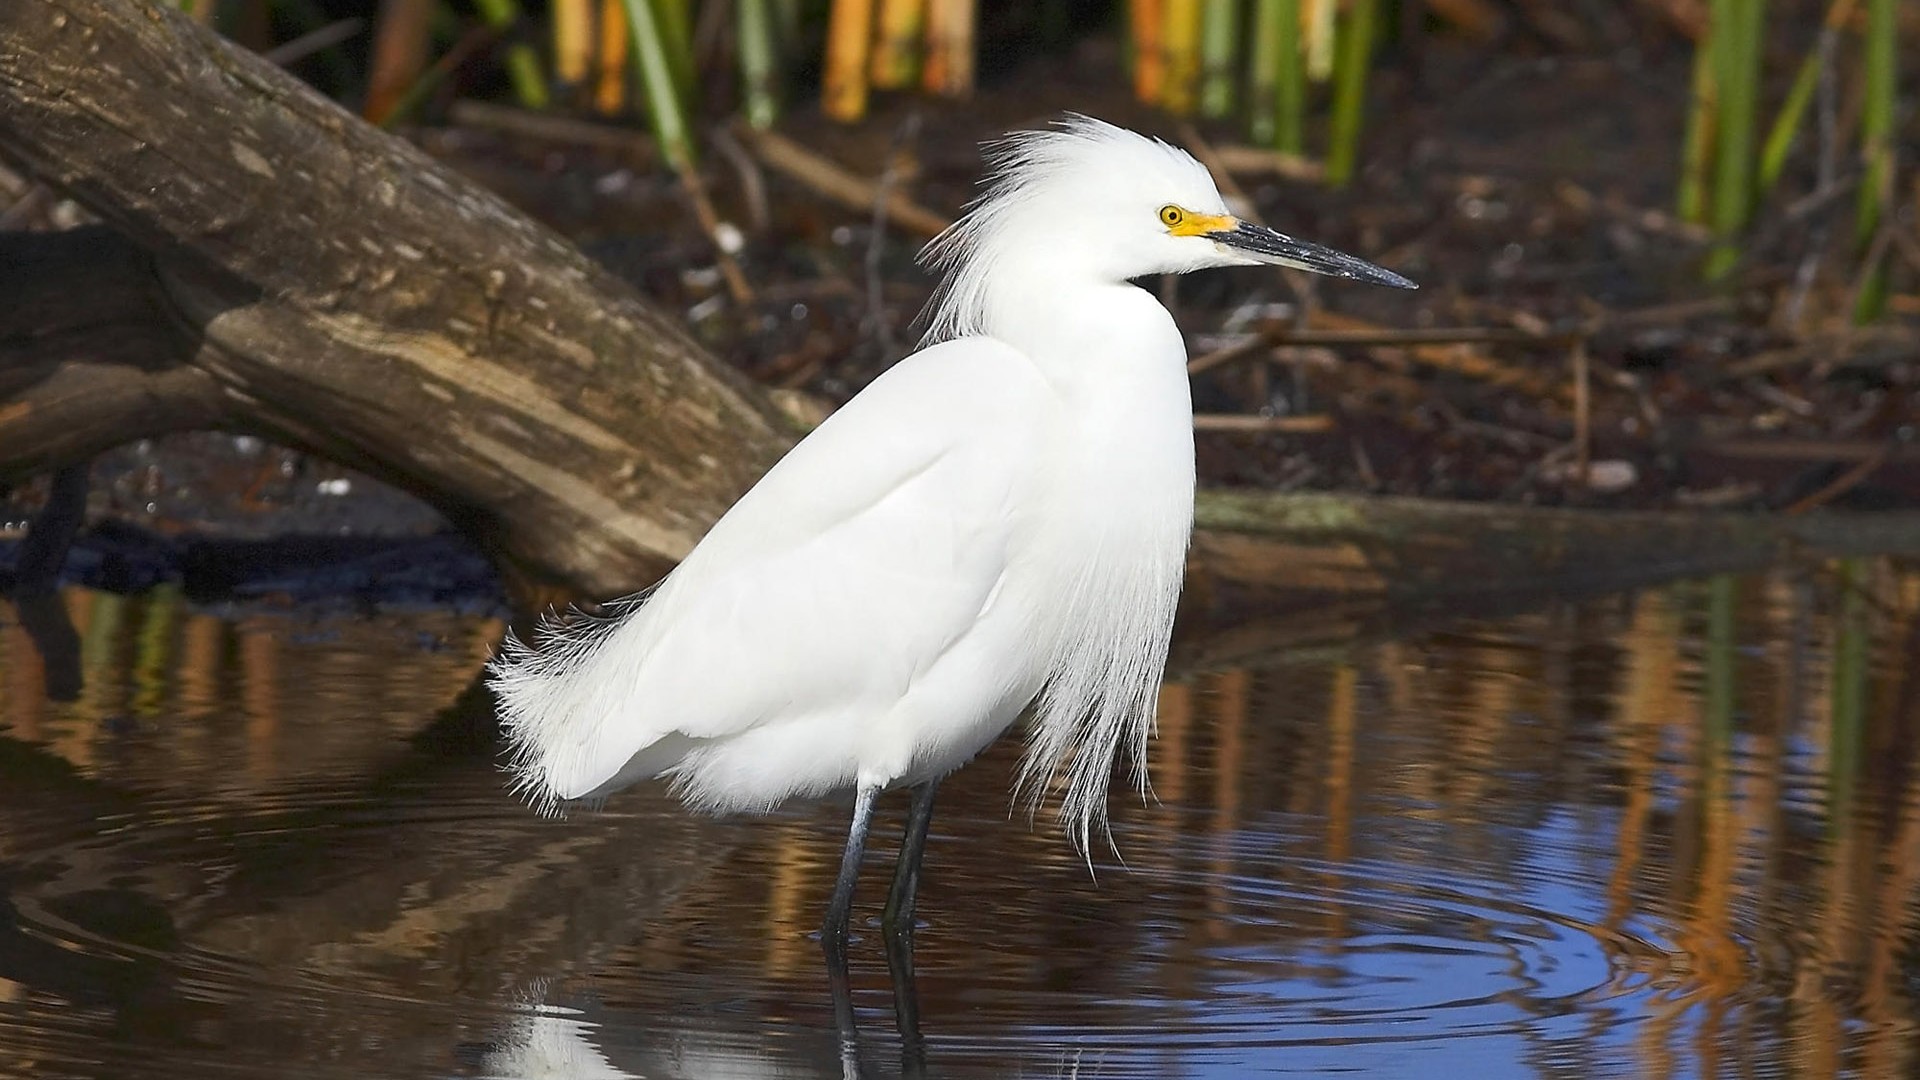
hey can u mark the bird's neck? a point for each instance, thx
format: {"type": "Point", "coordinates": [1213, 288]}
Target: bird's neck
{"type": "Point", "coordinates": [1090, 333]}
{"type": "Point", "coordinates": [1037, 297]}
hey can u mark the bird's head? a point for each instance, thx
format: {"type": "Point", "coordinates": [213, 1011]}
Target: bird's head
{"type": "Point", "coordinates": [1088, 197]}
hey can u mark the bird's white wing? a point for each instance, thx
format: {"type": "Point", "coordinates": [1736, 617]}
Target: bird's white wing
{"type": "Point", "coordinates": [847, 570]}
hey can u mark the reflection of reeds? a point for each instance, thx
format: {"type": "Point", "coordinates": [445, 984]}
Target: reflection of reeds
{"type": "Point", "coordinates": [153, 650]}
{"type": "Point", "coordinates": [1229, 692]}
{"type": "Point", "coordinates": [1849, 690]}
{"type": "Point", "coordinates": [202, 655]}
{"type": "Point", "coordinates": [1168, 757]}
{"type": "Point", "coordinates": [1648, 698]}
{"type": "Point", "coordinates": [1341, 732]}
{"type": "Point", "coordinates": [1721, 596]}
{"type": "Point", "coordinates": [789, 893]}
{"type": "Point", "coordinates": [22, 678]}
{"type": "Point", "coordinates": [260, 675]}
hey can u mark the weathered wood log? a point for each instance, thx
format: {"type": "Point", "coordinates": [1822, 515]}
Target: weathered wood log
{"type": "Point", "coordinates": [298, 273]}
{"type": "Point", "coordinates": [1308, 547]}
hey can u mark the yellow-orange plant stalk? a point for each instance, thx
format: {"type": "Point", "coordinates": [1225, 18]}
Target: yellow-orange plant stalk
{"type": "Point", "coordinates": [844, 85]}
{"type": "Point", "coordinates": [896, 46]}
{"type": "Point", "coordinates": [572, 41]}
{"type": "Point", "coordinates": [950, 47]}
{"type": "Point", "coordinates": [610, 76]}
{"type": "Point", "coordinates": [1147, 18]}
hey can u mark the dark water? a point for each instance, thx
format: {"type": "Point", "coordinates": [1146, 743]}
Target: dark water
{"type": "Point", "coordinates": [1675, 834]}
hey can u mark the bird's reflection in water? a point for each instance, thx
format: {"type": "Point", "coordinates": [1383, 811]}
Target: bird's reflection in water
{"type": "Point", "coordinates": [553, 1037]}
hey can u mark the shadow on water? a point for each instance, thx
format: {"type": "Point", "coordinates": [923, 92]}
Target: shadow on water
{"type": "Point", "coordinates": [1668, 834]}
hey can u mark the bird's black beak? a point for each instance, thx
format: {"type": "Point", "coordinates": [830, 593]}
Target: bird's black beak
{"type": "Point", "coordinates": [1267, 246]}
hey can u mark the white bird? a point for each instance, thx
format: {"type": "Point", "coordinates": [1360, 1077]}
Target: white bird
{"type": "Point", "coordinates": [1001, 519]}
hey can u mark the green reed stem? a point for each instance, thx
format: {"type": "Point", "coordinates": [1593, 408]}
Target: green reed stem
{"type": "Point", "coordinates": [759, 64]}
{"type": "Point", "coordinates": [676, 31]}
{"type": "Point", "coordinates": [665, 112]}
{"type": "Point", "coordinates": [1263, 61]}
{"type": "Point", "coordinates": [1743, 22]}
{"type": "Point", "coordinates": [524, 69]}
{"type": "Point", "coordinates": [1877, 148]}
{"type": "Point", "coordinates": [1219, 37]}
{"type": "Point", "coordinates": [1696, 155]}
{"type": "Point", "coordinates": [1348, 110]}
{"type": "Point", "coordinates": [1793, 111]}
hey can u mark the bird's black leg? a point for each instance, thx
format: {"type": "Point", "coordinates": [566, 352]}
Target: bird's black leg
{"type": "Point", "coordinates": [833, 935]}
{"type": "Point", "coordinates": [898, 920]}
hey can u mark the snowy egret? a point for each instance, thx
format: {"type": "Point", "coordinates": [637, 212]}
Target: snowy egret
{"type": "Point", "coordinates": [1001, 519]}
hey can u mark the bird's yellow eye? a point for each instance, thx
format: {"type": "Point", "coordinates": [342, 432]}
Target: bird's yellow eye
{"type": "Point", "coordinates": [1171, 216]}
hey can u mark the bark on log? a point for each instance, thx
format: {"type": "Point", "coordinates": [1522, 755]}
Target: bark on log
{"type": "Point", "coordinates": [1306, 548]}
{"type": "Point", "coordinates": [298, 273]}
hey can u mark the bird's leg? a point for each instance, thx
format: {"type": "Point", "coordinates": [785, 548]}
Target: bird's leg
{"type": "Point", "coordinates": [839, 986]}
{"type": "Point", "coordinates": [906, 1004]}
{"type": "Point", "coordinates": [833, 935]}
{"type": "Point", "coordinates": [898, 920]}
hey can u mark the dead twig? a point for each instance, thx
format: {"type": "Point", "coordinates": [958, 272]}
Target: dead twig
{"type": "Point", "coordinates": [753, 182]}
{"type": "Point", "coordinates": [1809, 450]}
{"type": "Point", "coordinates": [1373, 336]}
{"type": "Point", "coordinates": [314, 41]}
{"type": "Point", "coordinates": [1582, 415]}
{"type": "Point", "coordinates": [631, 146]}
{"type": "Point", "coordinates": [1319, 424]}
{"type": "Point", "coordinates": [696, 189]}
{"type": "Point", "coordinates": [1229, 158]}
{"type": "Point", "coordinates": [1846, 481]}
{"type": "Point", "coordinates": [828, 179]}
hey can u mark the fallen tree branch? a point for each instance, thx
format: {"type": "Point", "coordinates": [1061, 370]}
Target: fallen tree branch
{"type": "Point", "coordinates": [300, 274]}
{"type": "Point", "coordinates": [796, 162]}
{"type": "Point", "coordinates": [1304, 548]}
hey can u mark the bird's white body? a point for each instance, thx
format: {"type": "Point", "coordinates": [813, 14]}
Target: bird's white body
{"type": "Point", "coordinates": [848, 619]}
{"type": "Point", "coordinates": [1000, 519]}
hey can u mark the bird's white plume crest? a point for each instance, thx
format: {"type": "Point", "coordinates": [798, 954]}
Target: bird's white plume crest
{"type": "Point", "coordinates": [1035, 198]}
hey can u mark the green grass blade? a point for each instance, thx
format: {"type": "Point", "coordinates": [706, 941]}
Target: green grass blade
{"type": "Point", "coordinates": [1351, 65]}
{"type": "Point", "coordinates": [1742, 22]}
{"type": "Point", "coordinates": [524, 69]}
{"type": "Point", "coordinates": [759, 65]}
{"type": "Point", "coordinates": [1696, 155]}
{"type": "Point", "coordinates": [664, 109]}
{"type": "Point", "coordinates": [1219, 41]}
